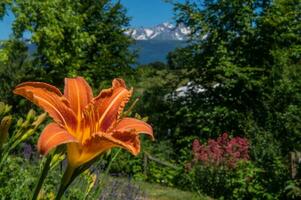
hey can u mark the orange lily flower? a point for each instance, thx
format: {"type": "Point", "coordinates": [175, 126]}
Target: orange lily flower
{"type": "Point", "coordinates": [88, 125]}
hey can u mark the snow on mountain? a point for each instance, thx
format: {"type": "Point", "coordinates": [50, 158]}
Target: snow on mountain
{"type": "Point", "coordinates": [164, 31]}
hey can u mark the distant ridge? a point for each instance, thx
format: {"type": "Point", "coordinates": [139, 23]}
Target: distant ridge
{"type": "Point", "coordinates": [152, 44]}
{"type": "Point", "coordinates": [155, 50]}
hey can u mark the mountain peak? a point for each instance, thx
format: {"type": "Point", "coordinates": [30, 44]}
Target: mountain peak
{"type": "Point", "coordinates": [168, 25]}
{"type": "Point", "coordinates": [163, 31]}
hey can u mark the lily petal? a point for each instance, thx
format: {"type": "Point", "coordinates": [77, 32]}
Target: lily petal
{"type": "Point", "coordinates": [138, 126]}
{"type": "Point", "coordinates": [128, 140]}
{"type": "Point", "coordinates": [79, 94]}
{"type": "Point", "coordinates": [47, 86]}
{"type": "Point", "coordinates": [100, 143]}
{"type": "Point", "coordinates": [52, 136]}
{"type": "Point", "coordinates": [50, 99]}
{"type": "Point", "coordinates": [111, 102]}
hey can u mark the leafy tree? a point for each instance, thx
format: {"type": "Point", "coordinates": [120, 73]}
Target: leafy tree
{"type": "Point", "coordinates": [280, 30]}
{"type": "Point", "coordinates": [239, 59]}
{"type": "Point", "coordinates": [222, 62]}
{"type": "Point", "coordinates": [76, 37]}
{"type": "Point", "coordinates": [153, 84]}
{"type": "Point", "coordinates": [3, 5]}
{"type": "Point", "coordinates": [16, 66]}
{"type": "Point", "coordinates": [244, 60]}
{"type": "Point", "coordinates": [180, 58]}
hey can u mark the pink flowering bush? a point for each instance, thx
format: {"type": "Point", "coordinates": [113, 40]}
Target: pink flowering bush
{"type": "Point", "coordinates": [222, 151]}
{"type": "Point", "coordinates": [221, 168]}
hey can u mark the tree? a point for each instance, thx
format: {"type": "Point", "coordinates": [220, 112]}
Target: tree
{"type": "Point", "coordinates": [240, 53]}
{"type": "Point", "coordinates": [224, 62]}
{"type": "Point", "coordinates": [245, 57]}
{"type": "Point", "coordinates": [76, 37]}
{"type": "Point", "coordinates": [280, 32]}
{"type": "Point", "coordinates": [3, 5]}
{"type": "Point", "coordinates": [16, 66]}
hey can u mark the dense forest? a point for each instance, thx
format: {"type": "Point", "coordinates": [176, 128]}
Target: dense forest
{"type": "Point", "coordinates": [225, 109]}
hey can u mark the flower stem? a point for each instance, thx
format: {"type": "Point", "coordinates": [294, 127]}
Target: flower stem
{"type": "Point", "coordinates": [111, 161]}
{"type": "Point", "coordinates": [68, 177]}
{"type": "Point", "coordinates": [43, 175]}
{"type": "Point", "coordinates": [70, 174]}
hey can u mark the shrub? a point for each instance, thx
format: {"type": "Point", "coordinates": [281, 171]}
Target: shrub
{"type": "Point", "coordinates": [221, 168]}
{"type": "Point", "coordinates": [242, 182]}
{"type": "Point", "coordinates": [222, 151]}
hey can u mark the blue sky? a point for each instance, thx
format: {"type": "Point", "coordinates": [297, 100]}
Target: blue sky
{"type": "Point", "coordinates": [5, 26]}
{"type": "Point", "coordinates": [148, 13]}
{"type": "Point", "coordinates": [145, 13]}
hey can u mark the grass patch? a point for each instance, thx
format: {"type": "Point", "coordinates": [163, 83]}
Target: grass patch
{"type": "Point", "coordinates": [119, 188]}
{"type": "Point", "coordinates": [158, 192]}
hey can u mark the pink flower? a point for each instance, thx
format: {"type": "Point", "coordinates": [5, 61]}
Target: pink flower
{"type": "Point", "coordinates": [222, 151]}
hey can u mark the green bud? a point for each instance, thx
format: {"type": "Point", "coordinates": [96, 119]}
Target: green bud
{"type": "Point", "coordinates": [28, 133]}
{"type": "Point", "coordinates": [40, 119]}
{"type": "Point", "coordinates": [7, 108]}
{"type": "Point", "coordinates": [137, 116]}
{"type": "Point", "coordinates": [4, 127]}
{"type": "Point", "coordinates": [25, 124]}
{"type": "Point", "coordinates": [30, 115]}
{"type": "Point", "coordinates": [19, 122]}
{"type": "Point", "coordinates": [56, 159]}
{"type": "Point", "coordinates": [145, 119]}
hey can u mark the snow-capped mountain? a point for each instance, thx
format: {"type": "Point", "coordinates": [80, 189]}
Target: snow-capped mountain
{"type": "Point", "coordinates": [164, 31]}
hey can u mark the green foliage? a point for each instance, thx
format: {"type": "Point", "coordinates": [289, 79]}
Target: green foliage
{"type": "Point", "coordinates": [10, 180]}
{"type": "Point", "coordinates": [3, 7]}
{"type": "Point", "coordinates": [221, 61]}
{"type": "Point", "coordinates": [20, 175]}
{"type": "Point", "coordinates": [246, 57]}
{"type": "Point", "coordinates": [153, 164]}
{"type": "Point", "coordinates": [13, 134]}
{"type": "Point", "coordinates": [161, 167]}
{"type": "Point", "coordinates": [5, 123]}
{"type": "Point", "coordinates": [280, 30]}
{"type": "Point", "coordinates": [16, 66]}
{"type": "Point", "coordinates": [247, 183]}
{"type": "Point", "coordinates": [243, 182]}
{"type": "Point", "coordinates": [180, 58]}
{"type": "Point", "coordinates": [293, 189]}
{"type": "Point", "coordinates": [154, 83]}
{"type": "Point", "coordinates": [75, 38]}
{"type": "Point", "coordinates": [209, 180]}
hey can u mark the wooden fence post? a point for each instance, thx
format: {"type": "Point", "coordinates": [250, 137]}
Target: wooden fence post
{"type": "Point", "coordinates": [295, 163]}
